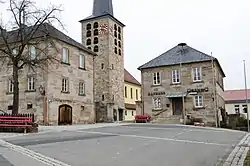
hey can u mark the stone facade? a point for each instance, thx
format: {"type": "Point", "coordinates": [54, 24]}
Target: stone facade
{"type": "Point", "coordinates": [52, 82]}
{"type": "Point", "coordinates": [206, 111]}
{"type": "Point", "coordinates": [108, 65]}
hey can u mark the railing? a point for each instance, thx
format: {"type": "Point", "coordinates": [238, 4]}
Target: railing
{"type": "Point", "coordinates": [18, 115]}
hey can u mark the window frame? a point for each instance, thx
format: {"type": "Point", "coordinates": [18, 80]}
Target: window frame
{"type": "Point", "coordinates": [136, 94]}
{"type": "Point", "coordinates": [131, 93]}
{"type": "Point", "coordinates": [176, 76]}
{"type": "Point", "coordinates": [197, 74]}
{"type": "Point", "coordinates": [10, 86]}
{"type": "Point", "coordinates": [157, 103]}
{"type": "Point", "coordinates": [198, 101]}
{"type": "Point", "coordinates": [65, 57]}
{"type": "Point", "coordinates": [65, 85]}
{"type": "Point", "coordinates": [32, 52]}
{"type": "Point", "coordinates": [81, 88]}
{"type": "Point", "coordinates": [125, 92]}
{"type": "Point", "coordinates": [243, 106]}
{"type": "Point", "coordinates": [238, 109]}
{"type": "Point", "coordinates": [82, 61]}
{"type": "Point", "coordinates": [31, 83]}
{"type": "Point", "coordinates": [157, 78]}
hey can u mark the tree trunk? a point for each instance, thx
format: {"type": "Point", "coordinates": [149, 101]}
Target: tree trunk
{"type": "Point", "coordinates": [16, 90]}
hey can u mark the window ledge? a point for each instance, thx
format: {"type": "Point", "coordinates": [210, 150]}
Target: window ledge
{"type": "Point", "coordinates": [9, 93]}
{"type": "Point", "coordinates": [82, 68]}
{"type": "Point", "coordinates": [29, 91]}
{"type": "Point", "coordinates": [65, 92]}
{"type": "Point", "coordinates": [198, 108]}
{"type": "Point", "coordinates": [197, 81]}
{"type": "Point", "coordinates": [65, 63]}
{"type": "Point", "coordinates": [176, 84]}
{"type": "Point", "coordinates": [156, 85]}
{"type": "Point", "coordinates": [157, 109]}
{"type": "Point", "coordinates": [81, 94]}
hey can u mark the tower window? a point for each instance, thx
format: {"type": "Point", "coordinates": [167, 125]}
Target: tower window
{"type": "Point", "coordinates": [115, 27]}
{"type": "Point", "coordinates": [115, 33]}
{"type": "Point", "coordinates": [103, 97]}
{"type": "Point", "coordinates": [96, 25]}
{"type": "Point", "coordinates": [88, 27]}
{"type": "Point", "coordinates": [89, 48]}
{"type": "Point", "coordinates": [96, 49]}
{"type": "Point", "coordinates": [119, 44]}
{"type": "Point", "coordinates": [115, 41]}
{"type": "Point", "coordinates": [95, 32]}
{"type": "Point", "coordinates": [102, 65]}
{"type": "Point", "coordinates": [119, 29]}
{"type": "Point", "coordinates": [88, 34]}
{"type": "Point", "coordinates": [120, 52]}
{"type": "Point", "coordinates": [112, 66]}
{"type": "Point", "coordinates": [116, 50]}
{"type": "Point", "coordinates": [96, 40]}
{"type": "Point", "coordinates": [119, 36]}
{"type": "Point", "coordinates": [88, 42]}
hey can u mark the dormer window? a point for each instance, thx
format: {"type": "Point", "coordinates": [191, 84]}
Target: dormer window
{"type": "Point", "coordinates": [96, 32]}
{"type": "Point", "coordinates": [88, 42]}
{"type": "Point", "coordinates": [96, 25]}
{"type": "Point", "coordinates": [88, 34]}
{"type": "Point", "coordinates": [88, 27]}
{"type": "Point", "coordinates": [96, 40]}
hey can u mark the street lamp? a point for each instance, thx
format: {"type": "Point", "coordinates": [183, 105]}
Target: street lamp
{"type": "Point", "coordinates": [42, 92]}
{"type": "Point", "coordinates": [245, 77]}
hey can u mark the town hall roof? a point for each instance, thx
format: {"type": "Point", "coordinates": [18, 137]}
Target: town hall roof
{"type": "Point", "coordinates": [176, 55]}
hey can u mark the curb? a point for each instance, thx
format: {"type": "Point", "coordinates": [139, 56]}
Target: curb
{"type": "Point", "coordinates": [238, 155]}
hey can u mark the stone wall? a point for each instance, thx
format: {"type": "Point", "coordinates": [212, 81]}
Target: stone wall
{"type": "Point", "coordinates": [207, 112]}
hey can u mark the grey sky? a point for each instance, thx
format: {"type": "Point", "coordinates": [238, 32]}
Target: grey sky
{"type": "Point", "coordinates": [153, 27]}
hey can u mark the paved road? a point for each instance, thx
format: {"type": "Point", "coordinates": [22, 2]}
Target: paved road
{"type": "Point", "coordinates": [133, 145]}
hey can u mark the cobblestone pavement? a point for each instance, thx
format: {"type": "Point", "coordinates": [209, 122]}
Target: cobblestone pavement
{"type": "Point", "coordinates": [238, 155]}
{"type": "Point", "coordinates": [121, 144]}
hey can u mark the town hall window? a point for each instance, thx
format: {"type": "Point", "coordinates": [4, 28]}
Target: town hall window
{"type": "Point", "coordinates": [81, 88]}
{"type": "Point", "coordinates": [31, 83]}
{"type": "Point", "coordinates": [65, 85]}
{"type": "Point", "coordinates": [156, 78]}
{"type": "Point", "coordinates": [32, 52]}
{"type": "Point", "coordinates": [198, 100]}
{"type": "Point", "coordinates": [10, 86]}
{"type": "Point", "coordinates": [157, 103]}
{"type": "Point", "coordinates": [82, 61]}
{"type": "Point", "coordinates": [196, 74]}
{"type": "Point", "coordinates": [175, 76]}
{"type": "Point", "coordinates": [65, 55]}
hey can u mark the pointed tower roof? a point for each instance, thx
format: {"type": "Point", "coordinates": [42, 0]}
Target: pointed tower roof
{"type": "Point", "coordinates": [102, 8]}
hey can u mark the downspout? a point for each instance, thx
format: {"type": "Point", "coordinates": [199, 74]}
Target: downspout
{"type": "Point", "coordinates": [93, 81]}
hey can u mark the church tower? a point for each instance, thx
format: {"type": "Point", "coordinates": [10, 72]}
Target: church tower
{"type": "Point", "coordinates": [103, 34]}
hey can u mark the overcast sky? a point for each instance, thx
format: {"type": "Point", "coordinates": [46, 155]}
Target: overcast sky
{"type": "Point", "coordinates": [153, 27]}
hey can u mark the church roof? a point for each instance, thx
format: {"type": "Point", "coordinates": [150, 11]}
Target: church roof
{"type": "Point", "coordinates": [130, 79]}
{"type": "Point", "coordinates": [175, 55]}
{"type": "Point", "coordinates": [102, 8]}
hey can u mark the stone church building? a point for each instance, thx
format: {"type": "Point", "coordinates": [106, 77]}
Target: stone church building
{"type": "Point", "coordinates": [87, 86]}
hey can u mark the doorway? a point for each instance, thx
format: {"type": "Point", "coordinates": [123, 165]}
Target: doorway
{"type": "Point", "coordinates": [65, 115]}
{"type": "Point", "coordinates": [114, 115]}
{"type": "Point", "coordinates": [177, 106]}
{"type": "Point", "coordinates": [120, 114]}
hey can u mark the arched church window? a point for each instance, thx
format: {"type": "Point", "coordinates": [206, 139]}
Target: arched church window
{"type": "Point", "coordinates": [119, 44]}
{"type": "Point", "coordinates": [88, 27]}
{"type": "Point", "coordinates": [115, 50]}
{"type": "Point", "coordinates": [96, 40]}
{"type": "Point", "coordinates": [96, 49]}
{"type": "Point", "coordinates": [88, 34]}
{"type": "Point", "coordinates": [115, 33]}
{"type": "Point", "coordinates": [119, 36]}
{"type": "Point", "coordinates": [88, 42]}
{"type": "Point", "coordinates": [115, 27]}
{"type": "Point", "coordinates": [119, 29]}
{"type": "Point", "coordinates": [120, 52]}
{"type": "Point", "coordinates": [96, 32]}
{"type": "Point", "coordinates": [115, 41]}
{"type": "Point", "coordinates": [96, 25]}
{"type": "Point", "coordinates": [89, 48]}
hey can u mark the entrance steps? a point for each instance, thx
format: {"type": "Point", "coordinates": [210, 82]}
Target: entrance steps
{"type": "Point", "coordinates": [175, 119]}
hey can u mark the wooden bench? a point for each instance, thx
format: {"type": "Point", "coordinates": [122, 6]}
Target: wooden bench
{"type": "Point", "coordinates": [16, 122]}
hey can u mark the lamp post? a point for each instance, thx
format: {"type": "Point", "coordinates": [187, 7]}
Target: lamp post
{"type": "Point", "coordinates": [245, 78]}
{"type": "Point", "coordinates": [42, 92]}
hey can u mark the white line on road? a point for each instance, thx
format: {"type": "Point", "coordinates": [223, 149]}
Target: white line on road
{"type": "Point", "coordinates": [156, 138]}
{"type": "Point", "coordinates": [39, 157]}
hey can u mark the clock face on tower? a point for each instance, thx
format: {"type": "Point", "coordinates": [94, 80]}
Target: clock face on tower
{"type": "Point", "coordinates": [105, 29]}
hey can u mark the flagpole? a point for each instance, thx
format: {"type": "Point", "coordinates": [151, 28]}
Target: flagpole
{"type": "Point", "coordinates": [245, 77]}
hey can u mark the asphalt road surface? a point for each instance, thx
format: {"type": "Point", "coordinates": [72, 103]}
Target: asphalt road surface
{"type": "Point", "coordinates": [127, 145]}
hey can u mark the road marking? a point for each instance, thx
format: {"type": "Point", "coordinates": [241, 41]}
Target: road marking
{"type": "Point", "coordinates": [156, 138]}
{"type": "Point", "coordinates": [158, 128]}
{"type": "Point", "coordinates": [37, 156]}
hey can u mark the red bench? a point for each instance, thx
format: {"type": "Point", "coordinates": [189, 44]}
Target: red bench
{"type": "Point", "coordinates": [16, 122]}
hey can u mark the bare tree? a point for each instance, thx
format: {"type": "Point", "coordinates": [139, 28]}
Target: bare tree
{"type": "Point", "coordinates": [30, 27]}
